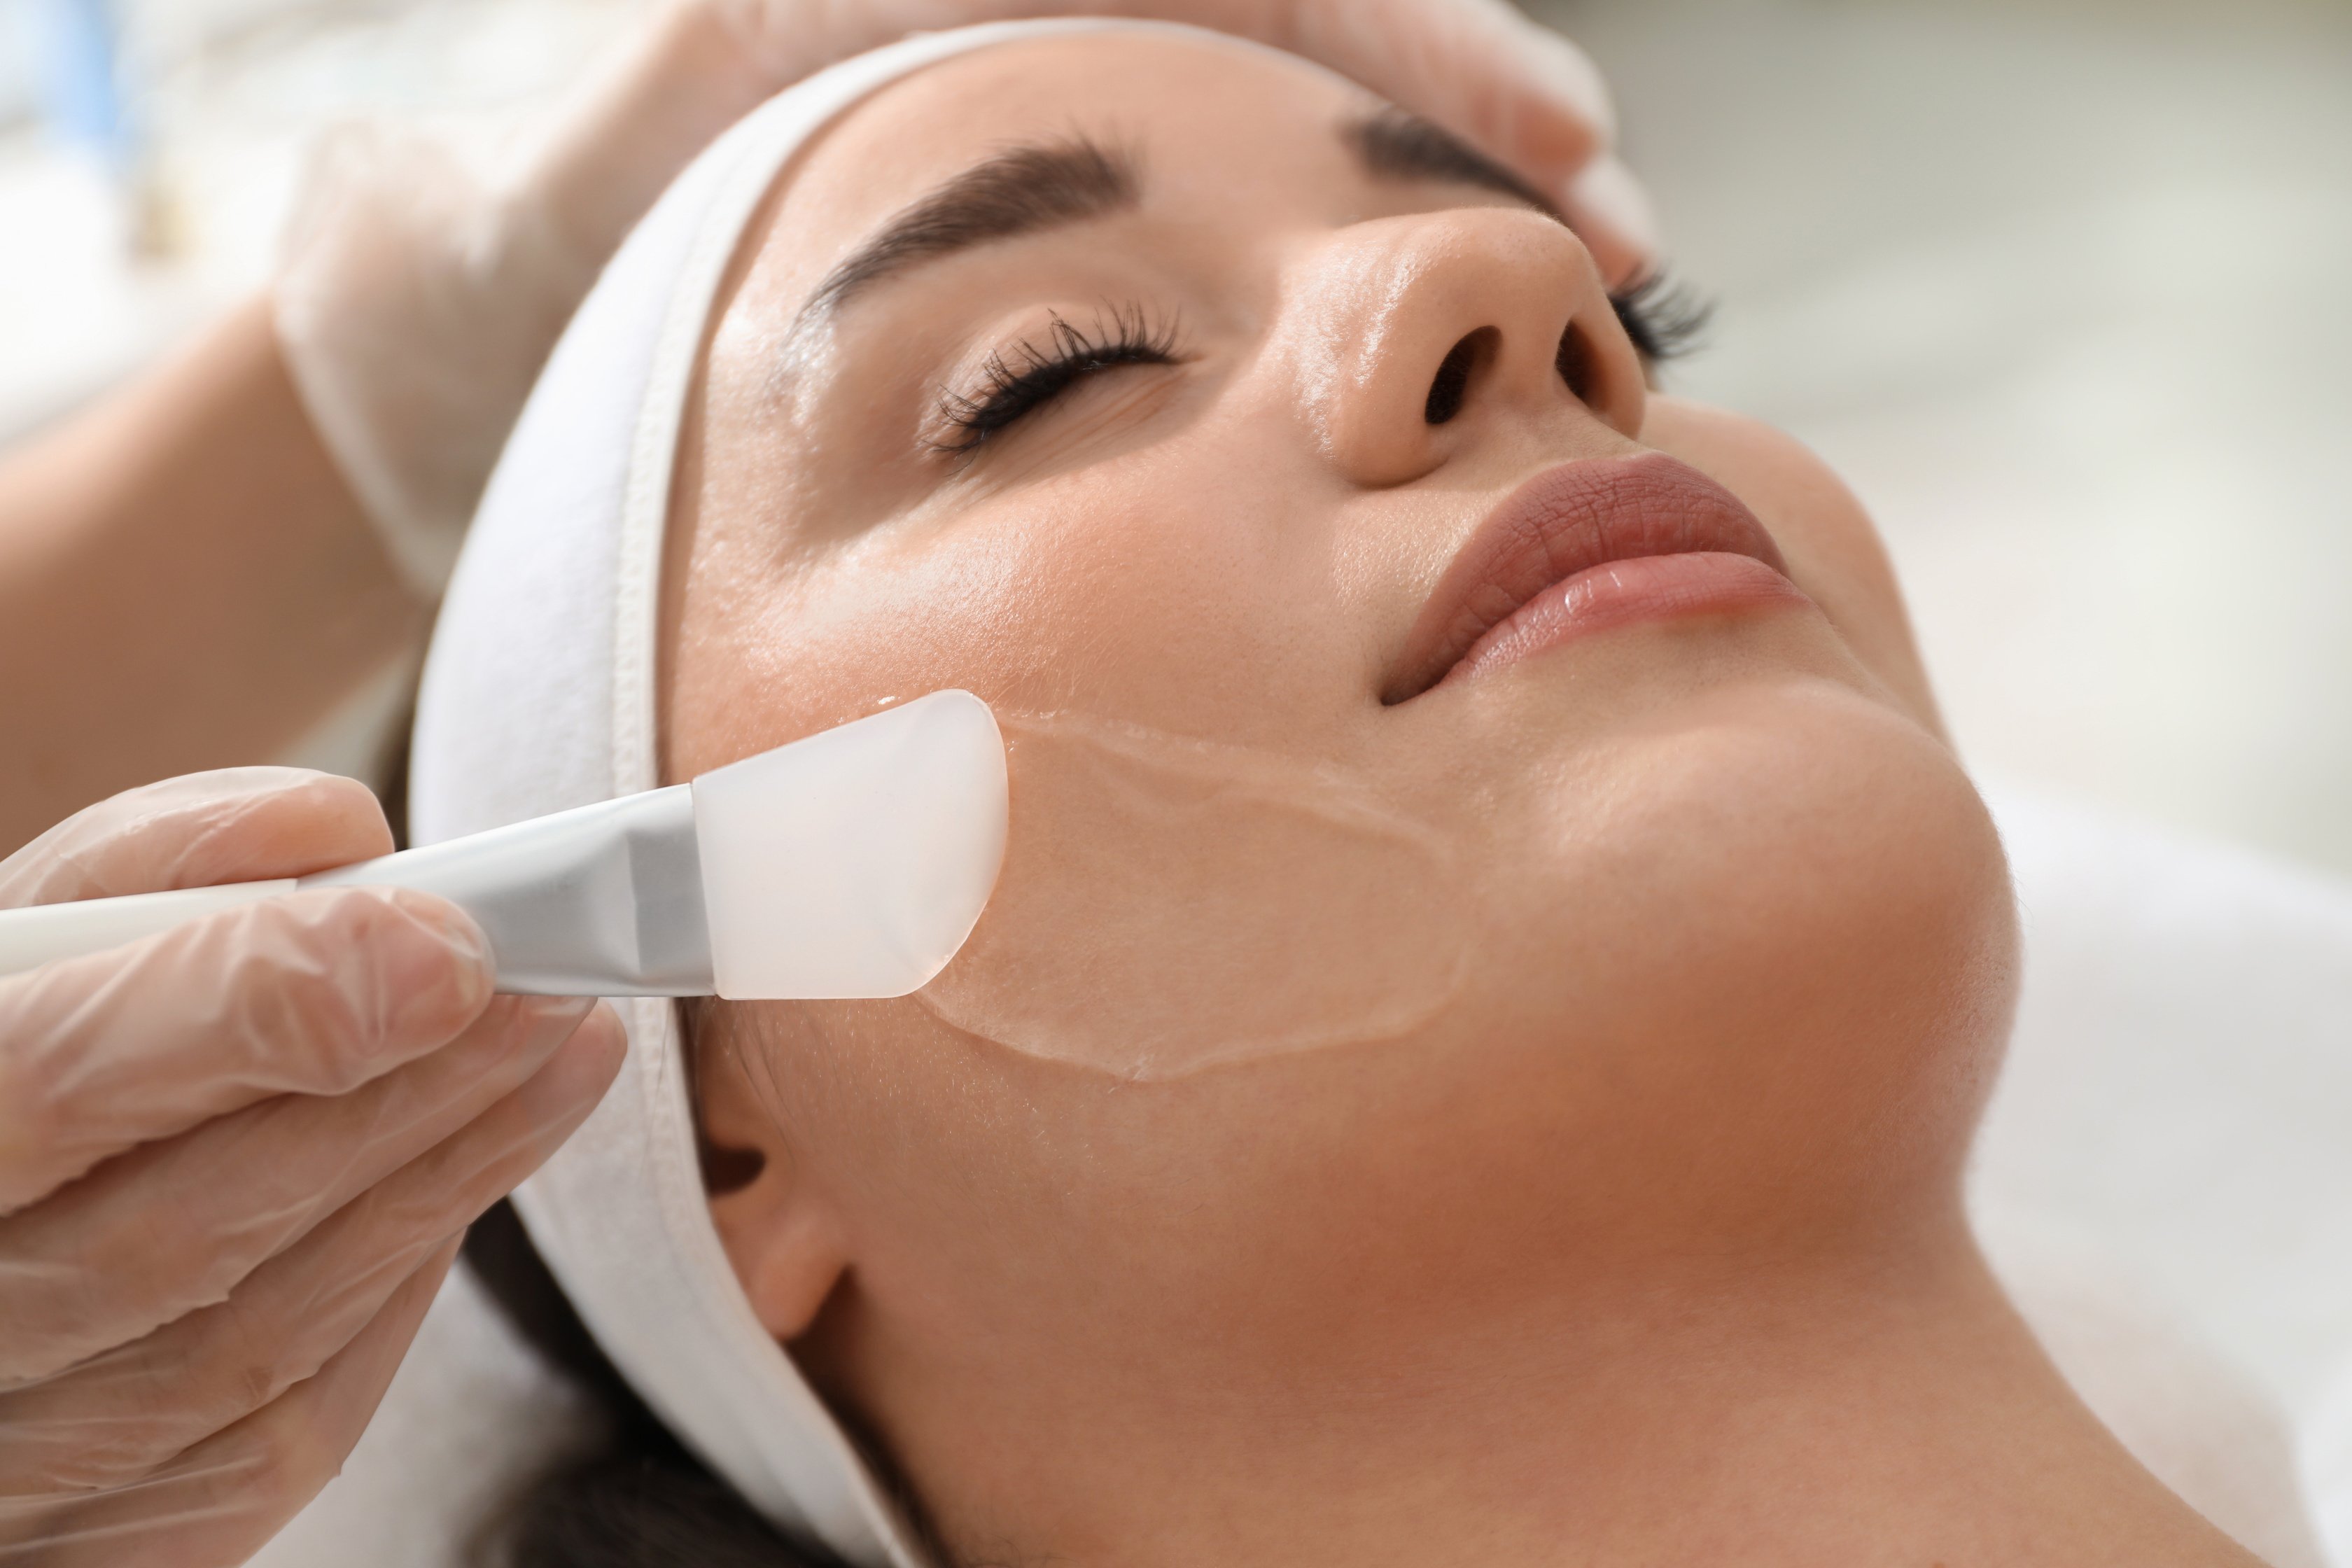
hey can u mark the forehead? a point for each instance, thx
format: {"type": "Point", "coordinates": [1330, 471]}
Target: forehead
{"type": "Point", "coordinates": [1205, 119]}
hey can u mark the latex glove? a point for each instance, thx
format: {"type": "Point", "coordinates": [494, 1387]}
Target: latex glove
{"type": "Point", "coordinates": [235, 1159]}
{"type": "Point", "coordinates": [416, 304]}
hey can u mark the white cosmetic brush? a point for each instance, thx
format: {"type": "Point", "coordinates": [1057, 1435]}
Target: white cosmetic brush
{"type": "Point", "coordinates": [852, 863]}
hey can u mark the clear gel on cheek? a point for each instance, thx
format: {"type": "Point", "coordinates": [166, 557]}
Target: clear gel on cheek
{"type": "Point", "coordinates": [1169, 904]}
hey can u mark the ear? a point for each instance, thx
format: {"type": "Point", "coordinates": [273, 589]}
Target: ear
{"type": "Point", "coordinates": [786, 1243]}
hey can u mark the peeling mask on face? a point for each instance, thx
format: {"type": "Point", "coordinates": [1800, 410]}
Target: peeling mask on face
{"type": "Point", "coordinates": [1169, 904]}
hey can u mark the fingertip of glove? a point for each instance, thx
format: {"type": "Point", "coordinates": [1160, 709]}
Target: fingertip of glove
{"type": "Point", "coordinates": [294, 822]}
{"type": "Point", "coordinates": [1609, 207]}
{"type": "Point", "coordinates": [541, 1025]}
{"type": "Point", "coordinates": [553, 1011]}
{"type": "Point", "coordinates": [607, 1044]}
{"type": "Point", "coordinates": [1568, 76]}
{"type": "Point", "coordinates": [421, 952]}
{"type": "Point", "coordinates": [580, 1071]}
{"type": "Point", "coordinates": [1540, 106]}
{"type": "Point", "coordinates": [468, 949]}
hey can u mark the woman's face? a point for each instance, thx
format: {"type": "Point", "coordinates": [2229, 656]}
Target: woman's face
{"type": "Point", "coordinates": [1357, 984]}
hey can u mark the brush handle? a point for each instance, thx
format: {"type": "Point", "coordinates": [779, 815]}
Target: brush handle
{"type": "Point", "coordinates": [44, 933]}
{"type": "Point", "coordinates": [602, 900]}
{"type": "Point", "coordinates": [852, 863]}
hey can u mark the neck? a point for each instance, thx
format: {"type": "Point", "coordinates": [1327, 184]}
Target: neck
{"type": "Point", "coordinates": [1896, 1412]}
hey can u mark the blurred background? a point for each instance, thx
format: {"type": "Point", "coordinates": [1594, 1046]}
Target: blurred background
{"type": "Point", "coordinates": [2058, 285]}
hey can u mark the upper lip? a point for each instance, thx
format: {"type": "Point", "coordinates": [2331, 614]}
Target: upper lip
{"type": "Point", "coordinates": [1562, 521]}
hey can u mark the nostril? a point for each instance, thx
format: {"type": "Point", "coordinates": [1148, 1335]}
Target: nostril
{"type": "Point", "coordinates": [1579, 365]}
{"type": "Point", "coordinates": [1451, 389]}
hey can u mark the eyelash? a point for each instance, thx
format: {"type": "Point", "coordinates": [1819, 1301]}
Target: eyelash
{"type": "Point", "coordinates": [1013, 388]}
{"type": "Point", "coordinates": [1664, 319]}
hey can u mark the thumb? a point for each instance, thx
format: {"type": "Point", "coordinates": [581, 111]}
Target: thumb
{"type": "Point", "coordinates": [1516, 89]}
{"type": "Point", "coordinates": [237, 825]}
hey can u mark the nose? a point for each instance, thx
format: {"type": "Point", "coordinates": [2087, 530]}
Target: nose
{"type": "Point", "coordinates": [1419, 333]}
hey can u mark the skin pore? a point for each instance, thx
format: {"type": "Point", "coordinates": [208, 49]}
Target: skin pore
{"type": "Point", "coordinates": [1643, 1246]}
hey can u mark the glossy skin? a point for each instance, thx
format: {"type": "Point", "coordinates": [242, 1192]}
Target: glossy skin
{"type": "Point", "coordinates": [1496, 1290]}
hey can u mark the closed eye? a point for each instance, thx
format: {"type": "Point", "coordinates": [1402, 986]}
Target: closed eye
{"type": "Point", "coordinates": [1019, 381]}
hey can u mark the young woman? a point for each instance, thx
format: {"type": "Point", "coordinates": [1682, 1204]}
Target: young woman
{"type": "Point", "coordinates": [1497, 970]}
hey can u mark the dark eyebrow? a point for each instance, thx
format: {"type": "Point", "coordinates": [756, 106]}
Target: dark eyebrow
{"type": "Point", "coordinates": [1019, 191]}
{"type": "Point", "coordinates": [1394, 146]}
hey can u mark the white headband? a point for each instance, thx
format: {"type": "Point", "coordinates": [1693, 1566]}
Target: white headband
{"type": "Point", "coordinates": [538, 694]}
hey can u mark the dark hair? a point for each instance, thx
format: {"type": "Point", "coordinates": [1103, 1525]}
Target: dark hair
{"type": "Point", "coordinates": [636, 1499]}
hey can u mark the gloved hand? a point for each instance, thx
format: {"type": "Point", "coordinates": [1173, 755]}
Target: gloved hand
{"type": "Point", "coordinates": [417, 305]}
{"type": "Point", "coordinates": [236, 1160]}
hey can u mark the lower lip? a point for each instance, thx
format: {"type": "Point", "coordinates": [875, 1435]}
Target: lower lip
{"type": "Point", "coordinates": [1623, 592]}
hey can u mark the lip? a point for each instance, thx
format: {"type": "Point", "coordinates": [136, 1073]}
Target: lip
{"type": "Point", "coordinates": [1583, 547]}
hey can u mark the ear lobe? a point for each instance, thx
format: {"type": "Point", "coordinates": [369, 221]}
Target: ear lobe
{"type": "Point", "coordinates": [783, 1241]}
{"type": "Point", "coordinates": [786, 1250]}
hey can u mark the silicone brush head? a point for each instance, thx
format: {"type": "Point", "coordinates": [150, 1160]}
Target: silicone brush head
{"type": "Point", "coordinates": [853, 863]}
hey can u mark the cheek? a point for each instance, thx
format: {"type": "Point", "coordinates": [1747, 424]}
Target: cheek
{"type": "Point", "coordinates": [1151, 589]}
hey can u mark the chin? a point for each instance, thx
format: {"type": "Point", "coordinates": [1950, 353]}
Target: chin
{"type": "Point", "coordinates": [1762, 959]}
